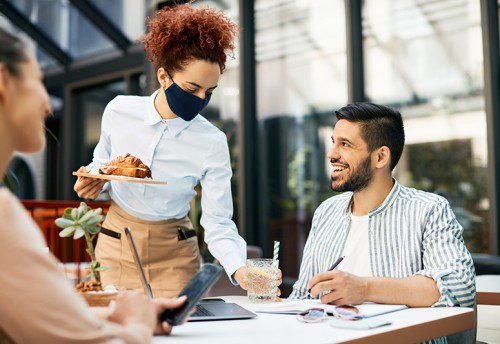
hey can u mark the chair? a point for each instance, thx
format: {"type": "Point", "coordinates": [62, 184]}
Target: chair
{"type": "Point", "coordinates": [488, 308]}
{"type": "Point", "coordinates": [44, 213]}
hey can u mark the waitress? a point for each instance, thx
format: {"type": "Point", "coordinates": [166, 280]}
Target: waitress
{"type": "Point", "coordinates": [188, 48]}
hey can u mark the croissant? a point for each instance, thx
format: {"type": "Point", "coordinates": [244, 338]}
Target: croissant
{"type": "Point", "coordinates": [128, 166]}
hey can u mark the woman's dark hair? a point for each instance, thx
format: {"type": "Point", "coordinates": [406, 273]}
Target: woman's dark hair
{"type": "Point", "coordinates": [381, 126]}
{"type": "Point", "coordinates": [12, 51]}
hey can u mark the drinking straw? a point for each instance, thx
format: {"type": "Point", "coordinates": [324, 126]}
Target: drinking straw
{"type": "Point", "coordinates": [276, 250]}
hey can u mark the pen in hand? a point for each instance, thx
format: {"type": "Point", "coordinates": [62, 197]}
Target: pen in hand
{"type": "Point", "coordinates": [334, 265]}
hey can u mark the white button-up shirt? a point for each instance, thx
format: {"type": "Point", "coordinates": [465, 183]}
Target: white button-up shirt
{"type": "Point", "coordinates": [181, 153]}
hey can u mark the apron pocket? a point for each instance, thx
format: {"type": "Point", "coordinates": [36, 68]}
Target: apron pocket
{"type": "Point", "coordinates": [108, 252]}
{"type": "Point", "coordinates": [110, 233]}
{"type": "Point", "coordinates": [188, 259]}
{"type": "Point", "coordinates": [184, 233]}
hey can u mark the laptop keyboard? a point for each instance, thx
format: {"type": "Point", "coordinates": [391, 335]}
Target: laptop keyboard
{"type": "Point", "coordinates": [201, 312]}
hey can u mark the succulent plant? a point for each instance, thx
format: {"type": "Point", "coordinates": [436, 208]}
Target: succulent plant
{"type": "Point", "coordinates": [83, 222]}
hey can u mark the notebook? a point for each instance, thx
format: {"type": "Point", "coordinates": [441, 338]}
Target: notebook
{"type": "Point", "coordinates": [366, 310]}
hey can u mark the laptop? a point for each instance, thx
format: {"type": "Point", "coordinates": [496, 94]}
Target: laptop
{"type": "Point", "coordinates": [206, 309]}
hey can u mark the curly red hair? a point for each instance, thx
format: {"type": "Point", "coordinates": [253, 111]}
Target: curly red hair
{"type": "Point", "coordinates": [182, 33]}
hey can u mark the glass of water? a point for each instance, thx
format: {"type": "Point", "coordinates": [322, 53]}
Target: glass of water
{"type": "Point", "coordinates": [262, 277]}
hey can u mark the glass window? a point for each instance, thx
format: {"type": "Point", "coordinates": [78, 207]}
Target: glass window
{"type": "Point", "coordinates": [127, 15]}
{"type": "Point", "coordinates": [301, 78]}
{"type": "Point", "coordinates": [425, 58]}
{"type": "Point", "coordinates": [66, 26]}
{"type": "Point", "coordinates": [89, 107]}
{"type": "Point", "coordinates": [43, 58]}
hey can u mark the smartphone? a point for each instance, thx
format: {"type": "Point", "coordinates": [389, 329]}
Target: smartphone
{"type": "Point", "coordinates": [194, 290]}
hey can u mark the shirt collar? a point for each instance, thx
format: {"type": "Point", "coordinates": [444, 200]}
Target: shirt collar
{"type": "Point", "coordinates": [177, 125]}
{"type": "Point", "coordinates": [391, 197]}
{"type": "Point", "coordinates": [152, 117]}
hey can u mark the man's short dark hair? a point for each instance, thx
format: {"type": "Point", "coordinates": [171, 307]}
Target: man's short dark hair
{"type": "Point", "coordinates": [381, 126]}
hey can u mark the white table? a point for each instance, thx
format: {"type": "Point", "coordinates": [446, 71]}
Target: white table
{"type": "Point", "coordinates": [408, 326]}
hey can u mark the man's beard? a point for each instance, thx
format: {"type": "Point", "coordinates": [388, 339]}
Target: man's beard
{"type": "Point", "coordinates": [358, 181]}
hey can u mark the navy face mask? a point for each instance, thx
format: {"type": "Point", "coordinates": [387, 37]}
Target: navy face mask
{"type": "Point", "coordinates": [184, 104]}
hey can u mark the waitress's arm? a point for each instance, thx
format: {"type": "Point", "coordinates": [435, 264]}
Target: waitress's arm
{"type": "Point", "coordinates": [221, 234]}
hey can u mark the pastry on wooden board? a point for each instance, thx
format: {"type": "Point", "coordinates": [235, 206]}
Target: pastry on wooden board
{"type": "Point", "coordinates": [128, 166]}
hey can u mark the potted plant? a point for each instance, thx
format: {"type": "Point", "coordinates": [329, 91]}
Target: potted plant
{"type": "Point", "coordinates": [86, 222]}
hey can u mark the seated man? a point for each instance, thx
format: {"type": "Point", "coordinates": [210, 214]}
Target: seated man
{"type": "Point", "coordinates": [401, 245]}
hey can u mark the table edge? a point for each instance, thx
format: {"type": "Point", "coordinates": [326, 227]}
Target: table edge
{"type": "Point", "coordinates": [423, 331]}
{"type": "Point", "coordinates": [488, 298]}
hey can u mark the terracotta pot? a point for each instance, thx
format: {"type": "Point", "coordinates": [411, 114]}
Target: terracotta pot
{"type": "Point", "coordinates": [99, 299]}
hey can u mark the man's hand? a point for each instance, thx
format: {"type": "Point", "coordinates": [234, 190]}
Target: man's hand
{"type": "Point", "coordinates": [88, 188]}
{"type": "Point", "coordinates": [343, 288]}
{"type": "Point", "coordinates": [161, 304]}
{"type": "Point", "coordinates": [134, 308]}
{"type": "Point", "coordinates": [241, 277]}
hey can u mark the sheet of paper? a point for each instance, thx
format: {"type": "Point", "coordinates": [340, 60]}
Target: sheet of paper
{"type": "Point", "coordinates": [296, 306]}
{"type": "Point", "coordinates": [363, 324]}
{"type": "Point", "coordinates": [288, 306]}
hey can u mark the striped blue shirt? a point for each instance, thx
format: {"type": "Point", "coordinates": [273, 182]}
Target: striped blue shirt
{"type": "Point", "coordinates": [411, 233]}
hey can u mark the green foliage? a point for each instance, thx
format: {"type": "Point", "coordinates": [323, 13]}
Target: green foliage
{"type": "Point", "coordinates": [83, 222]}
{"type": "Point", "coordinates": [303, 189]}
{"type": "Point", "coordinates": [448, 168]}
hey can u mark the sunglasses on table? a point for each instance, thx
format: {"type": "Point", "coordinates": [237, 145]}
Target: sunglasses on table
{"type": "Point", "coordinates": [314, 315]}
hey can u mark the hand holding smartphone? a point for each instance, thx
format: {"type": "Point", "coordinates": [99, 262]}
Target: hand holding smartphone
{"type": "Point", "coordinates": [194, 290]}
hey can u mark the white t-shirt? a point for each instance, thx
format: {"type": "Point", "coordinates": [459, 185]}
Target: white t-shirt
{"type": "Point", "coordinates": [357, 249]}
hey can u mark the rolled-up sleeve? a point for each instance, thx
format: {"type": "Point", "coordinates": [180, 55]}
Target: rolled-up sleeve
{"type": "Point", "coordinates": [446, 259]}
{"type": "Point", "coordinates": [221, 234]}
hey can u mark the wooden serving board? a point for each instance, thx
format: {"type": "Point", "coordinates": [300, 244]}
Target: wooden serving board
{"type": "Point", "coordinates": [118, 178]}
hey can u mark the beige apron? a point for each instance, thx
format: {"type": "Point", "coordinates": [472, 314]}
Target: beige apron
{"type": "Point", "coordinates": [169, 260]}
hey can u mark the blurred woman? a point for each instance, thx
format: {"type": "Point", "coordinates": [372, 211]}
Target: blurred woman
{"type": "Point", "coordinates": [37, 304]}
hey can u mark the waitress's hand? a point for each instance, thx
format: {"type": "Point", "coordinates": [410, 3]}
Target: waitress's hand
{"type": "Point", "coordinates": [88, 188]}
{"type": "Point", "coordinates": [241, 277]}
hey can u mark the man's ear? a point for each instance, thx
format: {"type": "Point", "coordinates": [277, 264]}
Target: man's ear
{"type": "Point", "coordinates": [163, 78]}
{"type": "Point", "coordinates": [383, 157]}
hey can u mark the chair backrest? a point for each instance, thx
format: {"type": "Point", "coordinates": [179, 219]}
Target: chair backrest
{"type": "Point", "coordinates": [254, 252]}
{"type": "Point", "coordinates": [45, 213]}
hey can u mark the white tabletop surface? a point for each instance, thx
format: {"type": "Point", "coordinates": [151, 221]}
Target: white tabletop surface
{"type": "Point", "coordinates": [276, 328]}
{"type": "Point", "coordinates": [488, 283]}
